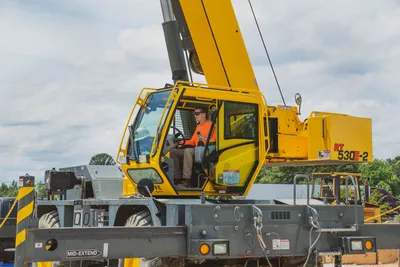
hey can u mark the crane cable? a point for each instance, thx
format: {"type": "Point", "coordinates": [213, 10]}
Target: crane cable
{"type": "Point", "coordinates": [266, 51]}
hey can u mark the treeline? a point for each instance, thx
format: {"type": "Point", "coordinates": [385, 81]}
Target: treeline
{"type": "Point", "coordinates": [11, 190]}
{"type": "Point", "coordinates": [380, 173]}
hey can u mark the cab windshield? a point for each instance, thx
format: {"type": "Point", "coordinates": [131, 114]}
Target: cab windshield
{"type": "Point", "coordinates": [144, 128]}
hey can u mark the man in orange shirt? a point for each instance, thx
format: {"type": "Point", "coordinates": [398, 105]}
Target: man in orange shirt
{"type": "Point", "coordinates": [185, 156]}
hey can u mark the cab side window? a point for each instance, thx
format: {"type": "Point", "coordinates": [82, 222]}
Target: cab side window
{"type": "Point", "coordinates": [240, 121]}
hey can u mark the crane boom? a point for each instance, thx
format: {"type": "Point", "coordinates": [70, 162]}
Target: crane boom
{"type": "Point", "coordinates": [214, 42]}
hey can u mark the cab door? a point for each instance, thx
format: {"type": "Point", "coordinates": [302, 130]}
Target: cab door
{"type": "Point", "coordinates": [233, 159]}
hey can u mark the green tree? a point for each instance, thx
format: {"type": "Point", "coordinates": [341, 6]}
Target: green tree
{"type": "Point", "coordinates": [41, 191]}
{"type": "Point", "coordinates": [382, 174]}
{"type": "Point", "coordinates": [102, 159]}
{"type": "Point", "coordinates": [13, 189]}
{"type": "Point", "coordinates": [9, 190]}
{"type": "Point", "coordinates": [377, 198]}
{"type": "Point", "coordinates": [285, 175]}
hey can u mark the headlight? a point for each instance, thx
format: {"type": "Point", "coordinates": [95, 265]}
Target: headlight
{"type": "Point", "coordinates": [356, 245]}
{"type": "Point", "coordinates": [220, 249]}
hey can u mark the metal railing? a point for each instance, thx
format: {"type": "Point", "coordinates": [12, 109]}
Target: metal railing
{"type": "Point", "coordinates": [294, 187]}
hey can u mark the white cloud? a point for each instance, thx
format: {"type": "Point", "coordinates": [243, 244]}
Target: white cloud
{"type": "Point", "coordinates": [70, 71]}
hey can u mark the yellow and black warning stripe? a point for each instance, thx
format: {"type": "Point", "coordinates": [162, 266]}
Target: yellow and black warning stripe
{"type": "Point", "coordinates": [26, 200]}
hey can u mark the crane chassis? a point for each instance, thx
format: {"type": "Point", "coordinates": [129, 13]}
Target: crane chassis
{"type": "Point", "coordinates": [198, 231]}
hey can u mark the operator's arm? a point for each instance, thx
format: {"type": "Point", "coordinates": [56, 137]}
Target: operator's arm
{"type": "Point", "coordinates": [192, 141]}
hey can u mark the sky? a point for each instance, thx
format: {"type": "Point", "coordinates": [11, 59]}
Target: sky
{"type": "Point", "coordinates": [70, 71]}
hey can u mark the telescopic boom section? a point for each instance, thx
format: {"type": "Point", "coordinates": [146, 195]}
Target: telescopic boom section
{"type": "Point", "coordinates": [213, 38]}
{"type": "Point", "coordinates": [172, 40]}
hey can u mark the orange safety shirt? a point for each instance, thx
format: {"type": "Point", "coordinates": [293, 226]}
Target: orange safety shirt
{"type": "Point", "coordinates": [204, 130]}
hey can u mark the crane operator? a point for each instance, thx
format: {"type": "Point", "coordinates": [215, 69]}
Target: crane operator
{"type": "Point", "coordinates": [183, 157]}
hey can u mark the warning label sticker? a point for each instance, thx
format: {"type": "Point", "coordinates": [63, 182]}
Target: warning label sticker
{"type": "Point", "coordinates": [280, 244]}
{"type": "Point", "coordinates": [231, 177]}
{"type": "Point", "coordinates": [324, 154]}
{"type": "Point", "coordinates": [83, 253]}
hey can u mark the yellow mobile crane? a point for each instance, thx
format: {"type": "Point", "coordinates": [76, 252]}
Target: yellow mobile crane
{"type": "Point", "coordinates": [165, 224]}
{"type": "Point", "coordinates": [249, 132]}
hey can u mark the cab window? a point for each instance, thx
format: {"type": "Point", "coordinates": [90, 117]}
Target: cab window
{"type": "Point", "coordinates": [240, 121]}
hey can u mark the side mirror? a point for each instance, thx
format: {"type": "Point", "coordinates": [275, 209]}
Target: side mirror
{"type": "Point", "coordinates": [145, 187]}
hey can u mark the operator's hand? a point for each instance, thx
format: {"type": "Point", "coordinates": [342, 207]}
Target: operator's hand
{"type": "Point", "coordinates": [202, 137]}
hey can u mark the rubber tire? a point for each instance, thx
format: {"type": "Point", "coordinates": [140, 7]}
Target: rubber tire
{"type": "Point", "coordinates": [143, 219]}
{"type": "Point", "coordinates": [52, 220]}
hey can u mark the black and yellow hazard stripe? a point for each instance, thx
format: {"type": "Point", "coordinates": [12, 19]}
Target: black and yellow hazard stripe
{"type": "Point", "coordinates": [26, 200]}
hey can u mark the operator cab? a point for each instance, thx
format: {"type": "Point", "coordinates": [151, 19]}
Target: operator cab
{"type": "Point", "coordinates": [166, 118]}
{"type": "Point", "coordinates": [232, 122]}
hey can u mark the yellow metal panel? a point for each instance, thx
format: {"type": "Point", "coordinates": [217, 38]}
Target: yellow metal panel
{"type": "Point", "coordinates": [203, 42]}
{"type": "Point", "coordinates": [132, 262]}
{"type": "Point", "coordinates": [291, 146]}
{"type": "Point", "coordinates": [288, 119]}
{"type": "Point", "coordinates": [25, 212]}
{"type": "Point", "coordinates": [128, 189]}
{"type": "Point", "coordinates": [21, 237]}
{"type": "Point", "coordinates": [164, 188]}
{"type": "Point", "coordinates": [316, 142]}
{"type": "Point", "coordinates": [219, 43]}
{"type": "Point", "coordinates": [24, 191]}
{"type": "Point", "coordinates": [45, 264]}
{"type": "Point", "coordinates": [230, 43]}
{"type": "Point", "coordinates": [344, 138]}
{"type": "Point", "coordinates": [355, 134]}
{"type": "Point", "coordinates": [241, 159]}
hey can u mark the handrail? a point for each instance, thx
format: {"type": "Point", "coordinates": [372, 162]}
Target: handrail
{"type": "Point", "coordinates": [355, 196]}
{"type": "Point", "coordinates": [308, 187]}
